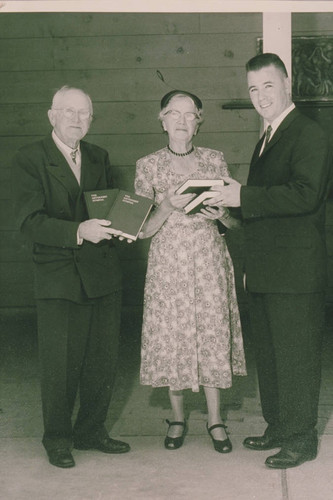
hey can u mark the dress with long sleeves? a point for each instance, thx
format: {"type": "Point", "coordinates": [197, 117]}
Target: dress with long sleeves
{"type": "Point", "coordinates": [191, 332]}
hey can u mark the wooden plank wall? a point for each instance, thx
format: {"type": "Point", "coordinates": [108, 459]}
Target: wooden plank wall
{"type": "Point", "coordinates": [116, 59]}
{"type": "Point", "coordinates": [126, 62]}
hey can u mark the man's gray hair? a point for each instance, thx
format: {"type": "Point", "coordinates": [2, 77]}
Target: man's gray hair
{"type": "Point", "coordinates": [66, 88]}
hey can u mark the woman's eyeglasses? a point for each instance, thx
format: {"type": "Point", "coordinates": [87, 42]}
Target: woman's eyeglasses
{"type": "Point", "coordinates": [175, 115]}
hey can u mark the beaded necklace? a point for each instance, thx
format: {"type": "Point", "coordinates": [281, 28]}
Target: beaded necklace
{"type": "Point", "coordinates": [181, 154]}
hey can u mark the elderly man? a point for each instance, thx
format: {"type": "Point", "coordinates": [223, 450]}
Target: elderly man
{"type": "Point", "coordinates": [283, 206]}
{"type": "Point", "coordinates": [77, 278]}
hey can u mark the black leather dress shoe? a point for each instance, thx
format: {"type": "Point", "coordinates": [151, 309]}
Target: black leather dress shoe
{"type": "Point", "coordinates": [61, 457]}
{"type": "Point", "coordinates": [262, 443]}
{"type": "Point", "coordinates": [288, 458]}
{"type": "Point", "coordinates": [106, 445]}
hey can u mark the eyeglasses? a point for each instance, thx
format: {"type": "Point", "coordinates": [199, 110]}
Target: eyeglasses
{"type": "Point", "coordinates": [70, 113]}
{"type": "Point", "coordinates": [175, 115]}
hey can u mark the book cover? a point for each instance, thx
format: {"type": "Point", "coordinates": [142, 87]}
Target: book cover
{"type": "Point", "coordinates": [197, 204]}
{"type": "Point", "coordinates": [198, 186]}
{"type": "Point", "coordinates": [126, 210]}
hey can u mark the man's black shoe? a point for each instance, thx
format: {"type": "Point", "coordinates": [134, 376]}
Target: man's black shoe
{"type": "Point", "coordinates": [106, 445]}
{"type": "Point", "coordinates": [262, 443]}
{"type": "Point", "coordinates": [288, 458]}
{"type": "Point", "coordinates": [61, 457]}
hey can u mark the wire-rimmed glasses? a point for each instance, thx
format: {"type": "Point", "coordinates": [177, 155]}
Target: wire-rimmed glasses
{"type": "Point", "coordinates": [70, 113]}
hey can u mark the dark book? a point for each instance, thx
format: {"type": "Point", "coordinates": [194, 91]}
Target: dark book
{"type": "Point", "coordinates": [202, 188]}
{"type": "Point", "coordinates": [198, 186]}
{"type": "Point", "coordinates": [127, 211]}
{"type": "Point", "coordinates": [197, 203]}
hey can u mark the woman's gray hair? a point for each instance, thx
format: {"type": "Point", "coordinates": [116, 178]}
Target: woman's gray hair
{"type": "Point", "coordinates": [180, 93]}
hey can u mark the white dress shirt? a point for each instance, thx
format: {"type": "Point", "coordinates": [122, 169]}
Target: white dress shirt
{"type": "Point", "coordinates": [66, 151]}
{"type": "Point", "coordinates": [275, 124]}
{"type": "Point", "coordinates": [75, 167]}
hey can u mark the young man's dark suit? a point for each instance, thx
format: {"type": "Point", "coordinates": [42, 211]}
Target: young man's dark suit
{"type": "Point", "coordinates": [78, 288]}
{"type": "Point", "coordinates": [283, 206]}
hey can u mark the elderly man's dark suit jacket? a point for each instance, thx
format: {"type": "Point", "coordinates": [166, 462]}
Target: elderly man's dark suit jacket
{"type": "Point", "coordinates": [283, 206]}
{"type": "Point", "coordinates": [50, 207]}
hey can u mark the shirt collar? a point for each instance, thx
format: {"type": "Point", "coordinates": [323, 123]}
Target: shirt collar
{"type": "Point", "coordinates": [61, 145]}
{"type": "Point", "coordinates": [275, 124]}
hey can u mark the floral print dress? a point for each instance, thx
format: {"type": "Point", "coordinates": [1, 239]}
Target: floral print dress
{"type": "Point", "coordinates": [191, 334]}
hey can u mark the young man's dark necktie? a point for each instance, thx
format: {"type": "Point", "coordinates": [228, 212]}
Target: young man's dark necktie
{"type": "Point", "coordinates": [267, 136]}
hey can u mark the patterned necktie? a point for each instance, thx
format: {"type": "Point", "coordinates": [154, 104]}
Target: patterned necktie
{"type": "Point", "coordinates": [73, 155]}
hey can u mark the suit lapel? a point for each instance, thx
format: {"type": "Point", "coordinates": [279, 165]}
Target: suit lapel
{"type": "Point", "coordinates": [257, 149]}
{"type": "Point", "coordinates": [91, 169]}
{"type": "Point", "coordinates": [59, 169]}
{"type": "Point", "coordinates": [276, 137]}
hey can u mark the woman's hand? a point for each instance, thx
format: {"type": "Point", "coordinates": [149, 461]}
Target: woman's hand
{"type": "Point", "coordinates": [174, 201]}
{"type": "Point", "coordinates": [222, 214]}
{"type": "Point", "coordinates": [214, 212]}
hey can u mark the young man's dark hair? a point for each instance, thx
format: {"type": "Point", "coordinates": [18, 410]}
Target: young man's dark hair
{"type": "Point", "coordinates": [266, 59]}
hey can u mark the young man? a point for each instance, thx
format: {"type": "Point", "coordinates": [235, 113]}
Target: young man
{"type": "Point", "coordinates": [283, 207]}
{"type": "Point", "coordinates": [77, 278]}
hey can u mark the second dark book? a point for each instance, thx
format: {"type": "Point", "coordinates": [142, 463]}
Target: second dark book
{"type": "Point", "coordinates": [197, 203]}
{"type": "Point", "coordinates": [198, 186]}
{"type": "Point", "coordinates": [202, 188]}
{"type": "Point", "coordinates": [127, 211]}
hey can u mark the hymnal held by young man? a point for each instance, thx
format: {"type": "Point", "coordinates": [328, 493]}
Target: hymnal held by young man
{"type": "Point", "coordinates": [127, 211]}
{"type": "Point", "coordinates": [202, 188]}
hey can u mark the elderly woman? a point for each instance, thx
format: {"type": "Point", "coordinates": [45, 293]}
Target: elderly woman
{"type": "Point", "coordinates": [191, 333]}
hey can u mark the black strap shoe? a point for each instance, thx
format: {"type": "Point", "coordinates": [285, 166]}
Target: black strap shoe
{"type": "Point", "coordinates": [61, 457]}
{"type": "Point", "coordinates": [262, 443]}
{"type": "Point", "coordinates": [224, 446]}
{"type": "Point", "coordinates": [172, 443]}
{"type": "Point", "coordinates": [286, 459]}
{"type": "Point", "coordinates": [105, 444]}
